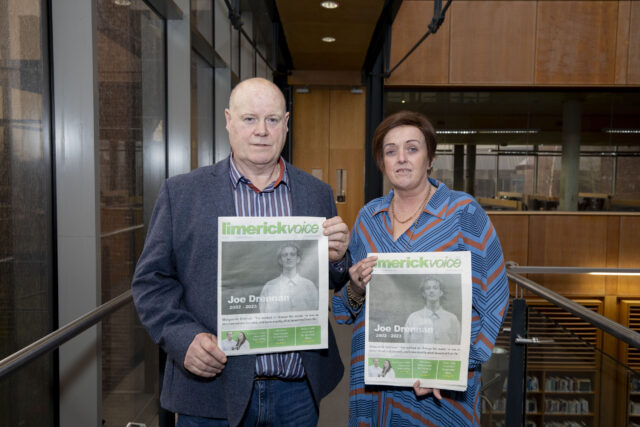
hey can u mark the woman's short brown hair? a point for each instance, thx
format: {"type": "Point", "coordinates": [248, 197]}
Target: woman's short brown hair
{"type": "Point", "coordinates": [403, 118]}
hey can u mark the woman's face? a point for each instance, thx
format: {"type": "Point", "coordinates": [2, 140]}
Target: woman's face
{"type": "Point", "coordinates": [240, 336]}
{"type": "Point", "coordinates": [386, 364]}
{"type": "Point", "coordinates": [404, 152]}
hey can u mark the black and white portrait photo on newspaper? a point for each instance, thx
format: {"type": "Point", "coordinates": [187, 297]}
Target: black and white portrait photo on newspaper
{"type": "Point", "coordinates": [415, 308]}
{"type": "Point", "coordinates": [273, 276]}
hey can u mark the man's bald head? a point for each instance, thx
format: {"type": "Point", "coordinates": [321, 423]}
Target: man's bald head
{"type": "Point", "coordinates": [256, 85]}
{"type": "Point", "coordinates": [257, 123]}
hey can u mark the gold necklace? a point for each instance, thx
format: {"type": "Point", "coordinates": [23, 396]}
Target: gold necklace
{"type": "Point", "coordinates": [420, 206]}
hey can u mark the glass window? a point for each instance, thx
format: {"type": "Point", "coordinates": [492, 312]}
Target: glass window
{"type": "Point", "coordinates": [26, 226]}
{"type": "Point", "coordinates": [518, 138]}
{"type": "Point", "coordinates": [247, 52]}
{"type": "Point", "coordinates": [202, 97]}
{"type": "Point", "coordinates": [627, 165]}
{"type": "Point", "coordinates": [202, 18]}
{"type": "Point", "coordinates": [486, 171]}
{"type": "Point", "coordinates": [443, 164]}
{"type": "Point", "coordinates": [132, 103]}
{"type": "Point", "coordinates": [549, 168]}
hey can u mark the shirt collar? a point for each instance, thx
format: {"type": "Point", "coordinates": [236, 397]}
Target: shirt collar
{"type": "Point", "coordinates": [433, 314]}
{"type": "Point", "coordinates": [436, 205]}
{"type": "Point", "coordinates": [236, 176]}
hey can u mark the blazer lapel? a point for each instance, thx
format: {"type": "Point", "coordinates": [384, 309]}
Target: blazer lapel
{"type": "Point", "coordinates": [222, 189]}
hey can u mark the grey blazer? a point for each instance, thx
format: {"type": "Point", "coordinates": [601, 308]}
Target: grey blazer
{"type": "Point", "coordinates": [174, 289]}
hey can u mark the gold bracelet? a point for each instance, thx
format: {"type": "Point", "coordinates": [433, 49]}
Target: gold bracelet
{"type": "Point", "coordinates": [355, 301]}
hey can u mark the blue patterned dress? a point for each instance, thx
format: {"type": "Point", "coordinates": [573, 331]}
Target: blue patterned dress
{"type": "Point", "coordinates": [451, 221]}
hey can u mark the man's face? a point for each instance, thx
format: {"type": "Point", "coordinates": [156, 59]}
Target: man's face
{"type": "Point", "coordinates": [229, 335]}
{"type": "Point", "coordinates": [376, 362]}
{"type": "Point", "coordinates": [289, 257]}
{"type": "Point", "coordinates": [431, 291]}
{"type": "Point", "coordinates": [257, 125]}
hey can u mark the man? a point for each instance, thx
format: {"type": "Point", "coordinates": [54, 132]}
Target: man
{"type": "Point", "coordinates": [228, 343]}
{"type": "Point", "coordinates": [174, 285]}
{"type": "Point", "coordinates": [301, 293]}
{"type": "Point", "coordinates": [432, 324]}
{"type": "Point", "coordinates": [375, 370]}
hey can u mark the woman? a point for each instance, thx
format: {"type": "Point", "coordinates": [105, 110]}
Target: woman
{"type": "Point", "coordinates": [387, 370]}
{"type": "Point", "coordinates": [242, 343]}
{"type": "Point", "coordinates": [420, 214]}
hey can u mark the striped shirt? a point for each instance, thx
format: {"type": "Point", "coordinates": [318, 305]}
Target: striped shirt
{"type": "Point", "coordinates": [273, 200]}
{"type": "Point", "coordinates": [451, 221]}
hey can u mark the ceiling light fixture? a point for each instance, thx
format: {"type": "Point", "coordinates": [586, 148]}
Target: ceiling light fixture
{"type": "Point", "coordinates": [329, 4]}
{"type": "Point", "coordinates": [457, 132]}
{"type": "Point", "coordinates": [328, 39]}
{"type": "Point", "coordinates": [509, 131]}
{"type": "Point", "coordinates": [624, 131]}
{"type": "Point", "coordinates": [486, 131]}
{"type": "Point", "coordinates": [122, 2]}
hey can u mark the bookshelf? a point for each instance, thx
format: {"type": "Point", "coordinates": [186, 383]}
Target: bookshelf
{"type": "Point", "coordinates": [554, 398]}
{"type": "Point", "coordinates": [563, 375]}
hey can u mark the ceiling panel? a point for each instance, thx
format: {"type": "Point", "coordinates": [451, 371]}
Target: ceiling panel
{"type": "Point", "coordinates": [305, 22]}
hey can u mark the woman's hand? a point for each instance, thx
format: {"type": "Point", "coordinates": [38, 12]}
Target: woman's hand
{"type": "Point", "coordinates": [360, 274]}
{"type": "Point", "coordinates": [421, 391]}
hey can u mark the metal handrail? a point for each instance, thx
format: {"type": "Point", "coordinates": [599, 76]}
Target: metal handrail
{"type": "Point", "coordinates": [617, 330]}
{"type": "Point", "coordinates": [60, 336]}
{"type": "Point", "coordinates": [524, 269]}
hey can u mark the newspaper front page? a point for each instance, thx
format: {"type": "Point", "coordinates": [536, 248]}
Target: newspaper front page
{"type": "Point", "coordinates": [273, 284]}
{"type": "Point", "coordinates": [418, 317]}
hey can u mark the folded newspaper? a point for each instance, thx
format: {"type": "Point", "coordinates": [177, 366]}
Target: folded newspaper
{"type": "Point", "coordinates": [418, 317]}
{"type": "Point", "coordinates": [272, 284]}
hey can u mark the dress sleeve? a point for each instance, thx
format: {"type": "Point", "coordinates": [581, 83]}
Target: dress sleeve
{"type": "Point", "coordinates": [490, 285]}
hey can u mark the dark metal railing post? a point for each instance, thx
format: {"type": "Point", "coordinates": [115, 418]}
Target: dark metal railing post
{"type": "Point", "coordinates": [514, 415]}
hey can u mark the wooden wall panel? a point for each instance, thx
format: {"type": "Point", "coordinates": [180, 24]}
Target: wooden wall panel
{"type": "Point", "coordinates": [622, 41]}
{"type": "Point", "coordinates": [629, 257]}
{"type": "Point", "coordinates": [429, 63]}
{"type": "Point", "coordinates": [569, 240]}
{"type": "Point", "coordinates": [329, 134]}
{"type": "Point", "coordinates": [311, 131]}
{"type": "Point", "coordinates": [513, 232]}
{"type": "Point", "coordinates": [633, 67]}
{"type": "Point", "coordinates": [576, 42]}
{"type": "Point", "coordinates": [347, 141]}
{"type": "Point", "coordinates": [492, 42]}
{"type": "Point", "coordinates": [347, 117]}
{"type": "Point", "coordinates": [613, 253]}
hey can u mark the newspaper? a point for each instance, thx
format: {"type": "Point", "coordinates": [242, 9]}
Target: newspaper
{"type": "Point", "coordinates": [273, 284]}
{"type": "Point", "coordinates": [418, 317]}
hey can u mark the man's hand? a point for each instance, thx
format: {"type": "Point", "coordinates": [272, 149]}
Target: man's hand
{"type": "Point", "coordinates": [204, 358]}
{"type": "Point", "coordinates": [421, 391]}
{"type": "Point", "coordinates": [338, 234]}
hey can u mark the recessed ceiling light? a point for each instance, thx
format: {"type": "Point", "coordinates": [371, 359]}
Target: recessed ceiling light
{"type": "Point", "coordinates": [328, 39]}
{"type": "Point", "coordinates": [123, 2]}
{"type": "Point", "coordinates": [329, 4]}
